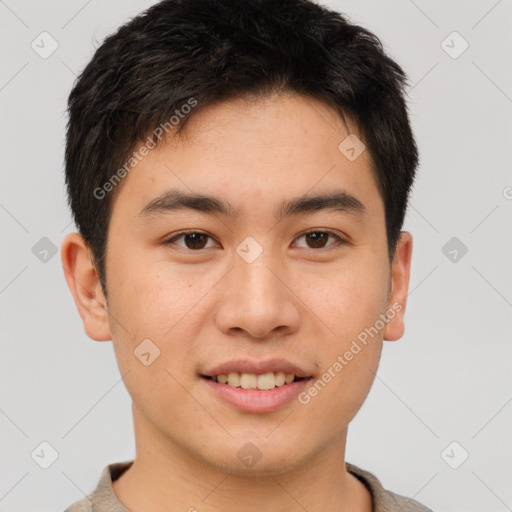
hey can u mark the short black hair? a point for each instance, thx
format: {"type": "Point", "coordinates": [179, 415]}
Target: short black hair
{"type": "Point", "coordinates": [198, 52]}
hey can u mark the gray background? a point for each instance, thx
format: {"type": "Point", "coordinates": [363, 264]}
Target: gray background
{"type": "Point", "coordinates": [448, 379]}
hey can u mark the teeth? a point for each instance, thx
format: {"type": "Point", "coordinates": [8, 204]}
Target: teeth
{"type": "Point", "coordinates": [264, 382]}
{"type": "Point", "coordinates": [222, 379]}
{"type": "Point", "coordinates": [280, 378]}
{"type": "Point", "coordinates": [248, 381]}
{"type": "Point", "coordinates": [234, 379]}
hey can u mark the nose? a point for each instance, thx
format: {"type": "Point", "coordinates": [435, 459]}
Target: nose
{"type": "Point", "coordinates": [258, 299]}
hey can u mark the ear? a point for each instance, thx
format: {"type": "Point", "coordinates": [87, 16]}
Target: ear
{"type": "Point", "coordinates": [84, 284]}
{"type": "Point", "coordinates": [400, 272]}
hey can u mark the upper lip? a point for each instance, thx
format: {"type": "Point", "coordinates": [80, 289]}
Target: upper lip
{"type": "Point", "coordinates": [257, 367]}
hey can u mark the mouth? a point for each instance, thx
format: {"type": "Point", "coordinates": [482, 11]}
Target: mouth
{"type": "Point", "coordinates": [263, 382]}
{"type": "Point", "coordinates": [256, 386]}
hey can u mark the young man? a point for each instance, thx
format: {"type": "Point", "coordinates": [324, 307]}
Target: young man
{"type": "Point", "coordinates": [239, 172]}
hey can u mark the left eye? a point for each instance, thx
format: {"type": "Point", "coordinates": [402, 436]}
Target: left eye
{"type": "Point", "coordinates": [196, 240]}
{"type": "Point", "coordinates": [318, 238]}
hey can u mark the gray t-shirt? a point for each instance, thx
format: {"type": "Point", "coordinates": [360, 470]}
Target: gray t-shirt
{"type": "Point", "coordinates": [103, 498]}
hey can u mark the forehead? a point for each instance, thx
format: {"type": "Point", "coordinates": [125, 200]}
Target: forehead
{"type": "Point", "coordinates": [256, 152]}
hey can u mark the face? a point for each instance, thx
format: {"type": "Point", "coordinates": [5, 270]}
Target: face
{"type": "Point", "coordinates": [252, 288]}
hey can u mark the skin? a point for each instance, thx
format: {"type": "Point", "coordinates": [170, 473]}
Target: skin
{"type": "Point", "coordinates": [299, 301]}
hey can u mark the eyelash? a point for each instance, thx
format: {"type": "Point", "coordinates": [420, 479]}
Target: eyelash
{"type": "Point", "coordinates": [340, 241]}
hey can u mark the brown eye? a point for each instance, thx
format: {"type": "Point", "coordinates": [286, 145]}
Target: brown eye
{"type": "Point", "coordinates": [196, 240]}
{"type": "Point", "coordinates": [318, 239]}
{"type": "Point", "coordinates": [193, 240]}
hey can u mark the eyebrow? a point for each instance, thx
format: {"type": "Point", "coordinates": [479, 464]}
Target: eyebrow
{"type": "Point", "coordinates": [176, 200]}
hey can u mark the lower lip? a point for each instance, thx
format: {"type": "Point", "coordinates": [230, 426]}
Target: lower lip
{"type": "Point", "coordinates": [255, 400]}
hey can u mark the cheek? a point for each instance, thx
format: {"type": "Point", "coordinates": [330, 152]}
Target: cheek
{"type": "Point", "coordinates": [151, 296]}
{"type": "Point", "coordinates": [349, 362]}
{"type": "Point", "coordinates": [150, 339]}
{"type": "Point", "coordinates": [338, 394]}
{"type": "Point", "coordinates": [150, 301]}
{"type": "Point", "coordinates": [350, 298]}
{"type": "Point", "coordinates": [350, 303]}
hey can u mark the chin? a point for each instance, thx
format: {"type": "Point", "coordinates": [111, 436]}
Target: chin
{"type": "Point", "coordinates": [255, 456]}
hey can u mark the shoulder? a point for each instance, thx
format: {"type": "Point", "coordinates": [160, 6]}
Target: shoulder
{"type": "Point", "coordinates": [384, 500]}
{"type": "Point", "coordinates": [84, 505]}
{"type": "Point", "coordinates": [103, 498]}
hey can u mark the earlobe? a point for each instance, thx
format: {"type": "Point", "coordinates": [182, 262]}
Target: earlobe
{"type": "Point", "coordinates": [83, 282]}
{"type": "Point", "coordinates": [400, 273]}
